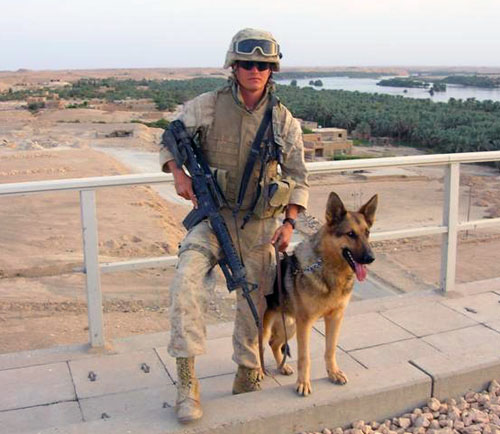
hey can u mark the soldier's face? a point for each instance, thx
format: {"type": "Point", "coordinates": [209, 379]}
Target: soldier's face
{"type": "Point", "coordinates": [252, 79]}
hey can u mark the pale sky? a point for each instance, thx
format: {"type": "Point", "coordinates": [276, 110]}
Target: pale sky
{"type": "Point", "coordinates": [60, 34]}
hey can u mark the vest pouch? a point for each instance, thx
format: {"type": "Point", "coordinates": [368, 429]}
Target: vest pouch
{"type": "Point", "coordinates": [278, 196]}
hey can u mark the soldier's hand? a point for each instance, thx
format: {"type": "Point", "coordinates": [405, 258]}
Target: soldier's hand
{"type": "Point", "coordinates": [282, 236]}
{"type": "Point", "coordinates": [184, 186]}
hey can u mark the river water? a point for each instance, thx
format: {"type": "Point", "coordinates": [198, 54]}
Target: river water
{"type": "Point", "coordinates": [369, 85]}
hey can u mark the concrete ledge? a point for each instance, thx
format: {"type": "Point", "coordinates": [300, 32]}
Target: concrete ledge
{"type": "Point", "coordinates": [374, 394]}
{"type": "Point", "coordinates": [478, 286]}
{"type": "Point", "coordinates": [65, 353]}
{"type": "Point", "coordinates": [454, 375]}
{"type": "Point", "coordinates": [43, 356]}
{"type": "Point", "coordinates": [445, 363]}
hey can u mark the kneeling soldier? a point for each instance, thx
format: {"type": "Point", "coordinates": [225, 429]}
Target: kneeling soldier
{"type": "Point", "coordinates": [257, 190]}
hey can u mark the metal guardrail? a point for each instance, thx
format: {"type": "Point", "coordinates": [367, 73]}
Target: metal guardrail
{"type": "Point", "coordinates": [93, 269]}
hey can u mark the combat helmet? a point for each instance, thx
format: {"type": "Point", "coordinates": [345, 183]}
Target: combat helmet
{"type": "Point", "coordinates": [256, 45]}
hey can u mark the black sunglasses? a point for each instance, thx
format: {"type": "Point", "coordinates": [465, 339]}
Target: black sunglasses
{"type": "Point", "coordinates": [249, 64]}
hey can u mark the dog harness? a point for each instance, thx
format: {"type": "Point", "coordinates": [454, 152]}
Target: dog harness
{"type": "Point", "coordinates": [296, 268]}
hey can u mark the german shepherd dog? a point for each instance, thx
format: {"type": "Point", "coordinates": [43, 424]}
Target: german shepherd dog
{"type": "Point", "coordinates": [318, 280]}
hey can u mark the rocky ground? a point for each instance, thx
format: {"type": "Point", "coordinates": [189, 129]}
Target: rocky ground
{"type": "Point", "coordinates": [474, 413]}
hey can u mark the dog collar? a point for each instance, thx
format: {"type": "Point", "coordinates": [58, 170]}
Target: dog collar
{"type": "Point", "coordinates": [309, 269]}
{"type": "Point", "coordinates": [314, 266]}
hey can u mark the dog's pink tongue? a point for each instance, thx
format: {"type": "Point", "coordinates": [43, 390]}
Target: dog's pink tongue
{"type": "Point", "coordinates": [360, 271]}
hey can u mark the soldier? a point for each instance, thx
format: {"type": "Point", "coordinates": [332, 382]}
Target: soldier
{"type": "Point", "coordinates": [226, 122]}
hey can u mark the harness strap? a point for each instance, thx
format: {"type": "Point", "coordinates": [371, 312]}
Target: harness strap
{"type": "Point", "coordinates": [296, 268]}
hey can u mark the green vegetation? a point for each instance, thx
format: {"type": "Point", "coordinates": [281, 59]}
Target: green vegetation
{"type": "Point", "coordinates": [456, 126]}
{"type": "Point", "coordinates": [293, 82]}
{"type": "Point", "coordinates": [438, 87]}
{"type": "Point", "coordinates": [473, 80]}
{"type": "Point", "coordinates": [403, 82]}
{"type": "Point", "coordinates": [160, 123]}
{"type": "Point", "coordinates": [84, 104]}
{"type": "Point", "coordinates": [317, 83]}
{"type": "Point", "coordinates": [306, 130]}
{"type": "Point", "coordinates": [361, 142]}
{"type": "Point", "coordinates": [17, 95]}
{"type": "Point", "coordinates": [166, 94]}
{"type": "Point", "coordinates": [34, 107]}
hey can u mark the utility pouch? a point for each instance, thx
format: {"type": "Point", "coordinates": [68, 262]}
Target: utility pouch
{"type": "Point", "coordinates": [221, 176]}
{"type": "Point", "coordinates": [278, 196]}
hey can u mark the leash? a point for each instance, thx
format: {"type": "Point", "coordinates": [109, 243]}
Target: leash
{"type": "Point", "coordinates": [262, 309]}
{"type": "Point", "coordinates": [281, 298]}
{"type": "Point", "coordinates": [281, 301]}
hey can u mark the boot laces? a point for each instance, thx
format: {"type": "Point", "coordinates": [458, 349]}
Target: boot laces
{"type": "Point", "coordinates": [184, 373]}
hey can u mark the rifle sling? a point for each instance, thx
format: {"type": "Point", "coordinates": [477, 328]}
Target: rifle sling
{"type": "Point", "coordinates": [254, 152]}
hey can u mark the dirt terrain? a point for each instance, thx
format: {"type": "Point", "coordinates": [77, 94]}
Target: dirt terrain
{"type": "Point", "coordinates": [42, 297]}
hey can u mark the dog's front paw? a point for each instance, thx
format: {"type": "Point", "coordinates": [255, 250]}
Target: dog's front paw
{"type": "Point", "coordinates": [337, 376]}
{"type": "Point", "coordinates": [303, 387]}
{"type": "Point", "coordinates": [260, 374]}
{"type": "Point", "coordinates": [286, 370]}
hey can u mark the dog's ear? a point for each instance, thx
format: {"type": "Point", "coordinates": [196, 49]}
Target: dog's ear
{"type": "Point", "coordinates": [335, 210]}
{"type": "Point", "coordinates": [368, 210]}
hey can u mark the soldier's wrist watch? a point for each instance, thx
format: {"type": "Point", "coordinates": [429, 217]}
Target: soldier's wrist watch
{"type": "Point", "coordinates": [291, 221]}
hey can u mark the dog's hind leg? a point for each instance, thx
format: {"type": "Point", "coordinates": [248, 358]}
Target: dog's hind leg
{"type": "Point", "coordinates": [278, 341]}
{"type": "Point", "coordinates": [333, 322]}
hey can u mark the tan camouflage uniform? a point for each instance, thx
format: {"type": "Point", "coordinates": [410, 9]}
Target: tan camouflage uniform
{"type": "Point", "coordinates": [227, 131]}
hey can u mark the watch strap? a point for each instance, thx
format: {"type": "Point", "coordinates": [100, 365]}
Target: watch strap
{"type": "Point", "coordinates": [290, 220]}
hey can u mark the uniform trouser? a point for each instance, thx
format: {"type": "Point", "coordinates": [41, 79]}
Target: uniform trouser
{"type": "Point", "coordinates": [195, 278]}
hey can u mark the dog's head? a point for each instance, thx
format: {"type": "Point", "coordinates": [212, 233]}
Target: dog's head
{"type": "Point", "coordinates": [349, 232]}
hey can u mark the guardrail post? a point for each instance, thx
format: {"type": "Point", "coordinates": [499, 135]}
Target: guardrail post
{"type": "Point", "coordinates": [450, 220]}
{"type": "Point", "coordinates": [91, 267]}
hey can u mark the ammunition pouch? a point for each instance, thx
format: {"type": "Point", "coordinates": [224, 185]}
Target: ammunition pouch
{"type": "Point", "coordinates": [221, 176]}
{"type": "Point", "coordinates": [274, 201]}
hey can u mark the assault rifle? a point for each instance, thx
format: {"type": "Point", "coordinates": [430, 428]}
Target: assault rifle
{"type": "Point", "coordinates": [210, 201]}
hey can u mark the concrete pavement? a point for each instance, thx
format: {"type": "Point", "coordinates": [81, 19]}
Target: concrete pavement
{"type": "Point", "coordinates": [397, 351]}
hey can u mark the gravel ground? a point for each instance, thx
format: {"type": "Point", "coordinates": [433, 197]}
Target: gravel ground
{"type": "Point", "coordinates": [473, 413]}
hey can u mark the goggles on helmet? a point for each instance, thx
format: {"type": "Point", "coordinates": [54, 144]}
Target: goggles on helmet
{"type": "Point", "coordinates": [249, 46]}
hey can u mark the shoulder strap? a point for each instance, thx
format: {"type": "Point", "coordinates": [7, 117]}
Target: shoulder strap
{"type": "Point", "coordinates": [254, 151]}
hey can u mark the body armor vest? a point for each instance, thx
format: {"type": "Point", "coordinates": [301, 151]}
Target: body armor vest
{"type": "Point", "coordinates": [227, 144]}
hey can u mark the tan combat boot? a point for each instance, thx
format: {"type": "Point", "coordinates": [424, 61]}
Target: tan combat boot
{"type": "Point", "coordinates": [247, 380]}
{"type": "Point", "coordinates": [187, 406]}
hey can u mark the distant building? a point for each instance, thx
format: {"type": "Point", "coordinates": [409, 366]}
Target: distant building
{"type": "Point", "coordinates": [307, 124]}
{"type": "Point", "coordinates": [326, 143]}
{"type": "Point", "coordinates": [332, 134]}
{"type": "Point", "coordinates": [380, 141]}
{"type": "Point", "coordinates": [54, 104]}
{"type": "Point", "coordinates": [35, 99]}
{"type": "Point", "coordinates": [50, 100]}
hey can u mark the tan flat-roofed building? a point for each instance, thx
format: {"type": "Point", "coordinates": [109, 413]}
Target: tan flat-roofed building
{"type": "Point", "coordinates": [326, 143]}
{"type": "Point", "coordinates": [332, 134]}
